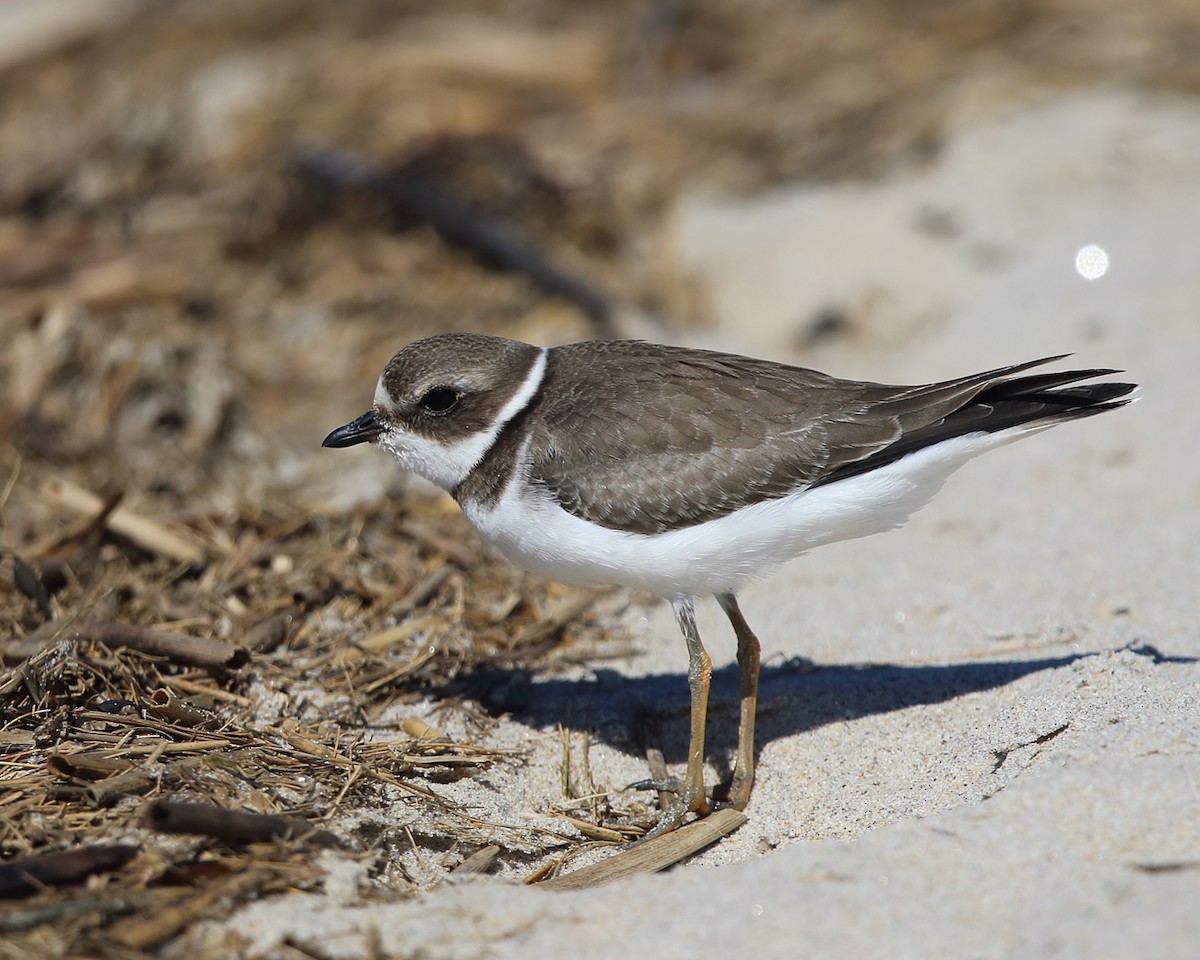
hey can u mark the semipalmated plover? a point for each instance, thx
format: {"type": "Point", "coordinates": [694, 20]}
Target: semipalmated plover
{"type": "Point", "coordinates": [688, 472]}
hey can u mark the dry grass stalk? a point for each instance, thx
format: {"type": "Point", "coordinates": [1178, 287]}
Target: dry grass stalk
{"type": "Point", "coordinates": [652, 855]}
{"type": "Point", "coordinates": [150, 535]}
{"type": "Point", "coordinates": [479, 862]}
{"type": "Point", "coordinates": [146, 932]}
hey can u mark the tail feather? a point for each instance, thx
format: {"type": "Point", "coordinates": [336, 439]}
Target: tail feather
{"type": "Point", "coordinates": [1037, 383]}
{"type": "Point", "coordinates": [1031, 401]}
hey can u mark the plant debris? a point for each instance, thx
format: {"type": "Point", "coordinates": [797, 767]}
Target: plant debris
{"type": "Point", "coordinates": [215, 719]}
{"type": "Point", "coordinates": [29, 874]}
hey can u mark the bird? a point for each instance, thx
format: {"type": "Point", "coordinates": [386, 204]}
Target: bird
{"type": "Point", "coordinates": [689, 473]}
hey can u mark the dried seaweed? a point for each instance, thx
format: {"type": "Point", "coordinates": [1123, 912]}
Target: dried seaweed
{"type": "Point", "coordinates": [137, 707]}
{"type": "Point", "coordinates": [126, 714]}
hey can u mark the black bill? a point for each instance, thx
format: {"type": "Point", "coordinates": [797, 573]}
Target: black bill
{"type": "Point", "coordinates": [363, 430]}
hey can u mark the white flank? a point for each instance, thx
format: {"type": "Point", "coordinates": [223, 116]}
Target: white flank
{"type": "Point", "coordinates": [721, 555]}
{"type": "Point", "coordinates": [447, 464]}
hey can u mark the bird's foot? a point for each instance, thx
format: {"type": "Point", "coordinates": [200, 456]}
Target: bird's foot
{"type": "Point", "coordinates": [739, 792]}
{"type": "Point", "coordinates": [734, 795]}
{"type": "Point", "coordinates": [657, 822]}
{"type": "Point", "coordinates": [664, 821]}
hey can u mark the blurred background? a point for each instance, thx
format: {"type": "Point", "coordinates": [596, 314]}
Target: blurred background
{"type": "Point", "coordinates": [219, 219]}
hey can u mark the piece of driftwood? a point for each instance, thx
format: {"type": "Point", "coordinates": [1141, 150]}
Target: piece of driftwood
{"type": "Point", "coordinates": [27, 875]}
{"type": "Point", "coordinates": [651, 855]}
{"type": "Point", "coordinates": [20, 651]}
{"type": "Point", "coordinates": [179, 648]}
{"type": "Point", "coordinates": [234, 826]}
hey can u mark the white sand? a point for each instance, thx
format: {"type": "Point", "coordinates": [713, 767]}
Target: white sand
{"type": "Point", "coordinates": [904, 805]}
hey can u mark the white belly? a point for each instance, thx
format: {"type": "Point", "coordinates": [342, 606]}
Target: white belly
{"type": "Point", "coordinates": [721, 555]}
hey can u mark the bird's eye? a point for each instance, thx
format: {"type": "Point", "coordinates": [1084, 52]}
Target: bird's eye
{"type": "Point", "coordinates": [440, 400]}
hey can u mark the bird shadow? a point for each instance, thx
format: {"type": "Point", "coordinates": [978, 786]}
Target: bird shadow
{"type": "Point", "coordinates": [794, 696]}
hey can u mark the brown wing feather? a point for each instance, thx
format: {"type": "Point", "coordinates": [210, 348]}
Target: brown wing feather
{"type": "Point", "coordinates": [728, 430]}
{"type": "Point", "coordinates": [616, 417]}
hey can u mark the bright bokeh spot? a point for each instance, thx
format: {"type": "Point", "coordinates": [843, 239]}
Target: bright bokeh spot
{"type": "Point", "coordinates": [1091, 262]}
